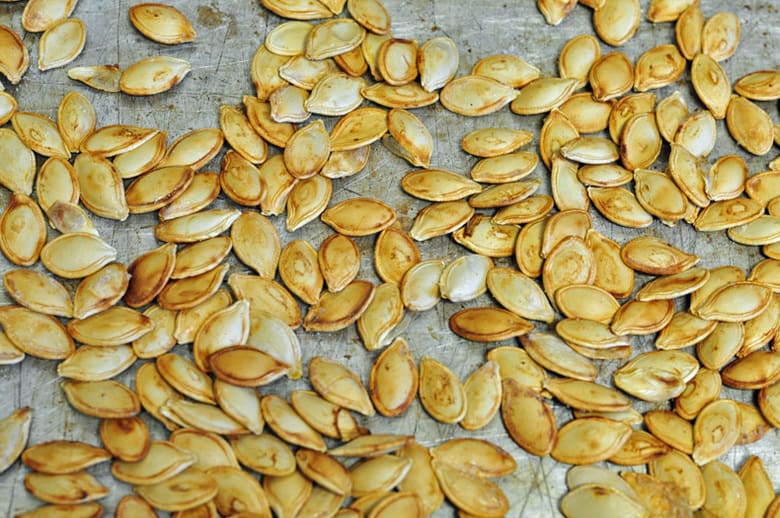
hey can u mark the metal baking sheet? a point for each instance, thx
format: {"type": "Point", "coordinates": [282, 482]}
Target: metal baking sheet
{"type": "Point", "coordinates": [229, 32]}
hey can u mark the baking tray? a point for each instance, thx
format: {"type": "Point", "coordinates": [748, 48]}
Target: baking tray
{"type": "Point", "coordinates": [229, 32]}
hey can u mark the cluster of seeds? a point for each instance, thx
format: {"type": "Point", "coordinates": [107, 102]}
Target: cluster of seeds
{"type": "Point", "coordinates": [208, 398]}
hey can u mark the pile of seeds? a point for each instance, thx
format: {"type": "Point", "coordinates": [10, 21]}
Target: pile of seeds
{"type": "Point", "coordinates": [538, 255]}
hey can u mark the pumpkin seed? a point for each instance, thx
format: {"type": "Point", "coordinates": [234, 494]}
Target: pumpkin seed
{"type": "Point", "coordinates": [335, 94]}
{"type": "Point", "coordinates": [131, 505]}
{"type": "Point", "coordinates": [358, 128]}
{"type": "Point", "coordinates": [194, 149]}
{"type": "Point", "coordinates": [675, 285]}
{"type": "Point", "coordinates": [38, 292]}
{"type": "Point", "coordinates": [488, 324]}
{"type": "Point", "coordinates": [334, 311]}
{"type": "Point", "coordinates": [570, 262]}
{"type": "Point", "coordinates": [397, 61]}
{"type": "Point", "coordinates": [183, 375]}
{"type": "Point", "coordinates": [333, 37]}
{"type": "Point", "coordinates": [288, 425]}
{"type": "Point", "coordinates": [202, 416]}
{"type": "Point", "coordinates": [371, 445]}
{"type": "Point", "coordinates": [438, 219]}
{"type": "Point", "coordinates": [581, 475]}
{"type": "Point", "coordinates": [616, 22]}
{"type": "Point", "coordinates": [640, 448]}
{"type": "Point", "coordinates": [464, 278]}
{"type": "Point", "coordinates": [408, 96]}
{"type": "Point", "coordinates": [437, 63]}
{"type": "Point", "coordinates": [697, 134]}
{"type": "Point", "coordinates": [186, 490]}
{"type": "Point", "coordinates": [528, 210]}
{"type": "Point", "coordinates": [103, 399]}
{"type": "Point", "coordinates": [163, 461]}
{"type": "Point", "coordinates": [611, 76]}
{"type": "Point", "coordinates": [717, 349]}
{"type": "Point", "coordinates": [587, 114]}
{"type": "Point", "coordinates": [555, 11]}
{"type": "Point", "coordinates": [100, 77]}
{"type": "Point", "coordinates": [383, 314]}
{"type": "Point", "coordinates": [300, 270]}
{"type": "Point", "coordinates": [556, 131]}
{"type": "Point", "coordinates": [71, 488]}
{"type": "Point", "coordinates": [203, 189]}
{"type": "Point", "coordinates": [102, 191]}
{"type": "Point", "coordinates": [725, 491]}
{"type": "Point", "coordinates": [670, 114]}
{"type": "Point", "coordinates": [61, 43]}
{"type": "Point", "coordinates": [507, 69]}
{"type": "Point", "coordinates": [359, 216]}
{"type": "Point", "coordinates": [577, 57]}
{"type": "Point", "coordinates": [553, 354]}
{"type": "Point", "coordinates": [90, 363]}
{"type": "Point", "coordinates": [750, 125]}
{"type": "Point", "coordinates": [288, 104]}
{"type": "Point", "coordinates": [318, 413]}
{"type": "Point", "coordinates": [438, 185]}
{"type": "Point", "coordinates": [700, 391]}
{"type": "Point", "coordinates": [611, 273]}
{"type": "Point", "coordinates": [542, 95]}
{"type": "Point", "coordinates": [287, 494]}
{"type": "Point", "coordinates": [726, 178]}
{"type": "Point", "coordinates": [153, 392]}
{"type": "Point", "coordinates": [761, 85]}
{"type": "Point", "coordinates": [341, 164]}
{"type": "Point", "coordinates": [746, 300]}
{"type": "Point", "coordinates": [153, 75]}
{"type": "Point", "coordinates": [620, 206]}
{"type": "Point", "coordinates": [15, 58]}
{"type": "Point", "coordinates": [475, 95]}
{"type": "Point", "coordinates": [470, 493]}
{"type": "Point", "coordinates": [640, 142]}
{"type": "Point", "coordinates": [352, 62]}
{"type": "Point", "coordinates": [191, 291]}
{"type": "Point", "coordinates": [658, 67]}
{"type": "Point", "coordinates": [288, 39]}
{"type": "Point", "coordinates": [62, 457]}
{"type": "Point", "coordinates": [514, 363]}
{"type": "Point", "coordinates": [711, 84]}
{"type": "Point", "coordinates": [757, 370]}
{"type": "Point", "coordinates": [339, 385]}
{"type": "Point", "coordinates": [161, 23]}
{"type": "Point", "coordinates": [394, 254]}
{"type": "Point", "coordinates": [587, 395]}
{"type": "Point", "coordinates": [603, 437]}
{"type": "Point", "coordinates": [18, 172]}
{"type": "Point", "coordinates": [482, 236]}
{"type": "Point", "coordinates": [720, 35]}
{"type": "Point", "coordinates": [125, 438]}
{"type": "Point", "coordinates": [265, 454]}
{"type": "Point", "coordinates": [143, 158]}
{"type": "Point", "coordinates": [197, 226]}
{"type": "Point", "coordinates": [409, 138]}
{"type": "Point", "coordinates": [238, 492]}
{"type": "Point", "coordinates": [56, 181]}
{"type": "Point", "coordinates": [76, 255]}
{"type": "Point", "coordinates": [715, 431]}
{"type": "Point", "coordinates": [441, 392]}
{"type": "Point", "coordinates": [266, 296]}
{"type": "Point", "coordinates": [394, 380]}
{"type": "Point", "coordinates": [219, 328]}
{"type": "Point", "coordinates": [492, 142]}
{"type": "Point", "coordinates": [590, 150]}
{"type": "Point", "coordinates": [35, 333]}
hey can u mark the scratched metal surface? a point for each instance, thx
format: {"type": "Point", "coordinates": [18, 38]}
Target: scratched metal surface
{"type": "Point", "coordinates": [228, 34]}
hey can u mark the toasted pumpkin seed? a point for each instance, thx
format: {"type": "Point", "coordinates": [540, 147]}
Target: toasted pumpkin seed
{"type": "Point", "coordinates": [616, 22]}
{"type": "Point", "coordinates": [482, 236]}
{"type": "Point", "coordinates": [475, 95]}
{"type": "Point", "coordinates": [358, 128]}
{"type": "Point", "coordinates": [397, 61]}
{"type": "Point", "coordinates": [90, 363]}
{"type": "Point", "coordinates": [71, 488]}
{"type": "Point", "coordinates": [266, 296]}
{"type": "Point", "coordinates": [8, 106]}
{"type": "Point", "coordinates": [599, 499]}
{"type": "Point", "coordinates": [318, 413]}
{"type": "Point", "coordinates": [287, 494]}
{"type": "Point", "coordinates": [470, 493]}
{"type": "Point", "coordinates": [333, 37]}
{"type": "Point", "coordinates": [194, 149]}
{"type": "Point", "coordinates": [408, 96]}
{"type": "Point", "coordinates": [100, 77]}
{"type": "Point", "coordinates": [611, 76]}
{"type": "Point", "coordinates": [716, 430]}
{"type": "Point", "coordinates": [587, 114]}
{"type": "Point", "coordinates": [570, 262]}
{"type": "Point", "coordinates": [127, 438]}
{"type": "Point", "coordinates": [488, 324]}
{"type": "Point", "coordinates": [153, 75]}
{"type": "Point", "coordinates": [153, 392]}
{"type": "Point", "coordinates": [464, 278]}
{"type": "Point", "coordinates": [441, 392]}
{"type": "Point", "coordinates": [197, 226]}
{"type": "Point", "coordinates": [604, 438]}
{"type": "Point", "coordinates": [35, 333]}
{"type": "Point", "coordinates": [720, 35]}
{"type": "Point", "coordinates": [219, 328]}
{"type": "Point", "coordinates": [161, 23]}
{"type": "Point", "coordinates": [619, 206]}
{"type": "Point", "coordinates": [750, 125]}
{"type": "Point", "coordinates": [437, 62]}
{"type": "Point", "coordinates": [762, 85]}
{"type": "Point", "coordinates": [141, 159]}
{"type": "Point", "coordinates": [163, 461]}
{"type": "Point", "coordinates": [186, 490]}
{"type": "Point", "coordinates": [191, 291]}
{"type": "Point", "coordinates": [15, 59]}
{"type": "Point", "coordinates": [103, 399]}
{"type": "Point", "coordinates": [527, 210]}
{"type": "Point", "coordinates": [38, 292]}
{"type": "Point", "coordinates": [334, 94]}
{"type": "Point", "coordinates": [102, 191]}
{"type": "Point", "coordinates": [438, 185]}
{"type": "Point", "coordinates": [383, 314]}
{"type": "Point", "coordinates": [76, 255]}
{"type": "Point", "coordinates": [61, 43]}
{"type": "Point", "coordinates": [61, 457]}
{"type": "Point", "coordinates": [516, 364]}
{"type": "Point", "coordinates": [288, 425]}
{"type": "Point", "coordinates": [697, 134]}
{"type": "Point", "coordinates": [394, 254]}
{"type": "Point", "coordinates": [40, 134]}
{"type": "Point", "coordinates": [288, 104]}
{"type": "Point", "coordinates": [658, 67]}
{"type": "Point", "coordinates": [18, 170]}
{"type": "Point", "coordinates": [611, 273]}
{"type": "Point", "coordinates": [339, 385]}
{"type": "Point", "coordinates": [640, 448]}
{"type": "Point", "coordinates": [114, 326]}
{"type": "Point", "coordinates": [542, 95]}
{"type": "Point", "coordinates": [577, 57]}
{"type": "Point", "coordinates": [585, 301]}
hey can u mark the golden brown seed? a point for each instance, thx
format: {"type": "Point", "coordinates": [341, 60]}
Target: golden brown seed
{"type": "Point", "coordinates": [473, 95]}
{"type": "Point", "coordinates": [616, 21]}
{"type": "Point", "coordinates": [611, 76]}
{"type": "Point", "coordinates": [469, 493]}
{"type": "Point", "coordinates": [161, 23]}
{"type": "Point", "coordinates": [750, 125]}
{"type": "Point", "coordinates": [521, 405]}
{"type": "Point", "coordinates": [394, 379]}
{"type": "Point", "coordinates": [577, 56]}
{"type": "Point", "coordinates": [542, 95]}
{"type": "Point", "coordinates": [72, 488]}
{"type": "Point", "coordinates": [127, 438]}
